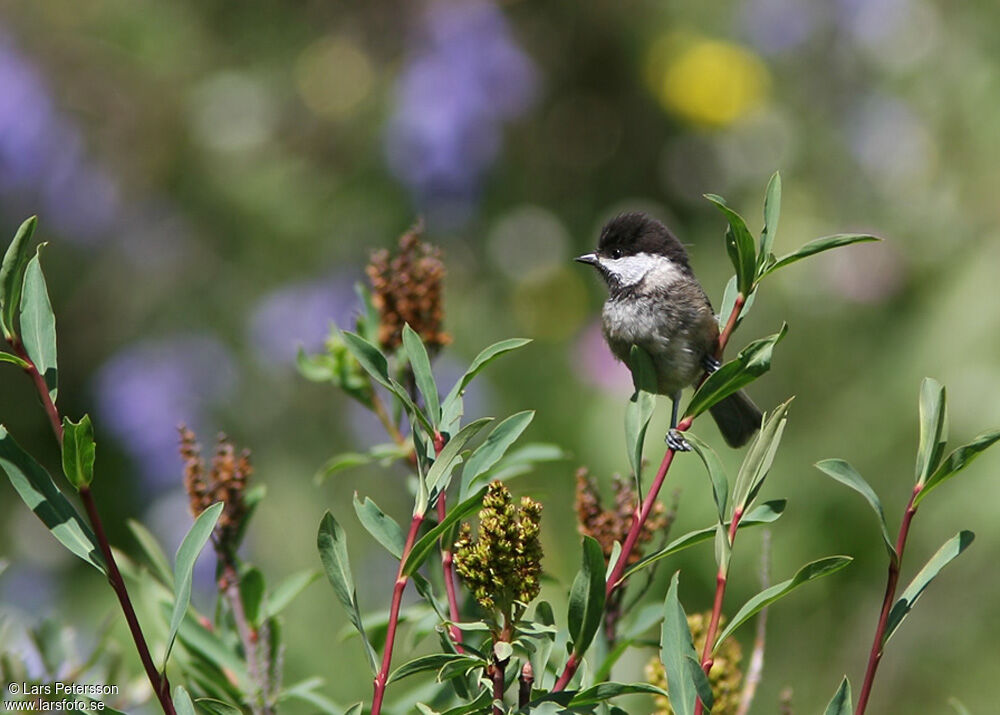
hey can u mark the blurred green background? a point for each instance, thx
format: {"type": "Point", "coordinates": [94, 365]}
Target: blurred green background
{"type": "Point", "coordinates": [212, 177]}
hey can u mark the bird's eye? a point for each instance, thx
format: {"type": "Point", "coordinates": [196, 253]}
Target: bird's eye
{"type": "Point", "coordinates": [616, 253]}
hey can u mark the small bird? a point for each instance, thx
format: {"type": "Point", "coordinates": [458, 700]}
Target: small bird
{"type": "Point", "coordinates": [655, 302]}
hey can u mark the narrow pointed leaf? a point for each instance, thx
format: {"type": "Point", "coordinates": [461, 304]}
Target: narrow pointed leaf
{"type": "Point", "coordinates": [381, 526]}
{"type": "Point", "coordinates": [427, 663]}
{"type": "Point", "coordinates": [716, 473]}
{"type": "Point", "coordinates": [484, 358]}
{"type": "Point", "coordinates": [957, 461]}
{"type": "Point", "coordinates": [819, 245]}
{"type": "Point", "coordinates": [36, 488]}
{"type": "Point", "coordinates": [809, 572]}
{"type": "Point", "coordinates": [944, 556]}
{"type": "Point", "coordinates": [187, 553]}
{"type": "Point", "coordinates": [752, 362]}
{"type": "Point", "coordinates": [933, 428]}
{"type": "Point", "coordinates": [218, 707]}
{"type": "Point", "coordinates": [12, 276]}
{"type": "Point", "coordinates": [605, 691]}
{"type": "Point", "coordinates": [38, 324]}
{"type": "Point", "coordinates": [151, 547]}
{"type": "Point", "coordinates": [355, 709]}
{"type": "Point", "coordinates": [586, 597]}
{"type": "Point", "coordinates": [439, 475]}
{"type": "Point", "coordinates": [640, 408]}
{"type": "Point", "coordinates": [772, 211]}
{"type": "Point", "coordinates": [739, 245]}
{"type": "Point", "coordinates": [332, 544]}
{"type": "Point", "coordinates": [500, 439]}
{"type": "Point", "coordinates": [13, 360]}
{"type": "Point", "coordinates": [766, 513]}
{"type": "Point", "coordinates": [846, 474]}
{"type": "Point", "coordinates": [420, 363]}
{"type": "Point", "coordinates": [78, 451]}
{"type": "Point", "coordinates": [287, 590]}
{"type": "Point", "coordinates": [759, 457]}
{"type": "Point", "coordinates": [677, 648]}
{"type": "Point", "coordinates": [841, 703]}
{"type": "Point", "coordinates": [425, 545]}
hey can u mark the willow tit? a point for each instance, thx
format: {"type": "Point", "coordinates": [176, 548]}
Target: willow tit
{"type": "Point", "coordinates": [655, 302]}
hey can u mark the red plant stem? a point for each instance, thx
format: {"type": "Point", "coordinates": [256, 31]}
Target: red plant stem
{"type": "Point", "coordinates": [157, 680]}
{"type": "Point", "coordinates": [390, 636]}
{"type": "Point", "coordinates": [890, 596]}
{"type": "Point", "coordinates": [448, 567]}
{"type": "Point", "coordinates": [642, 513]}
{"type": "Point", "coordinates": [720, 593]}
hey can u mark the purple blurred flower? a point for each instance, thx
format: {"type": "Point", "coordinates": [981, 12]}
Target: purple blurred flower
{"type": "Point", "coordinates": [147, 389]}
{"type": "Point", "coordinates": [42, 157]}
{"type": "Point", "coordinates": [889, 140]}
{"type": "Point", "coordinates": [774, 26]}
{"type": "Point", "coordinates": [871, 21]}
{"type": "Point", "coordinates": [300, 315]}
{"type": "Point", "coordinates": [593, 362]}
{"type": "Point", "coordinates": [465, 78]}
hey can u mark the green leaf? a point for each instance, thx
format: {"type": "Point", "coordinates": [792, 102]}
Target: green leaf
{"type": "Point", "coordinates": [846, 474]}
{"type": "Point", "coordinates": [435, 661]}
{"type": "Point", "coordinates": [376, 365]}
{"type": "Point", "coordinates": [605, 691]}
{"type": "Point", "coordinates": [217, 707]}
{"type": "Point", "coordinates": [36, 488]}
{"type": "Point", "coordinates": [78, 451]}
{"type": "Point", "coordinates": [453, 401]}
{"type": "Point", "coordinates": [182, 701]}
{"type": "Point", "coordinates": [841, 703]}
{"type": "Point", "coordinates": [157, 559]}
{"type": "Point", "coordinates": [957, 461]}
{"type": "Point", "coordinates": [383, 527]}
{"type": "Point", "coordinates": [772, 210]}
{"type": "Point", "coordinates": [586, 597]}
{"type": "Point", "coordinates": [13, 360]}
{"type": "Point", "coordinates": [809, 572]}
{"type": "Point", "coordinates": [739, 245]}
{"type": "Point", "coordinates": [12, 276]}
{"type": "Point", "coordinates": [760, 456]}
{"type": "Point", "coordinates": [439, 475]}
{"type": "Point", "coordinates": [38, 324]}
{"type": "Point", "coordinates": [425, 545]}
{"type": "Point", "coordinates": [818, 246]}
{"type": "Point", "coordinates": [933, 428]}
{"type": "Point", "coordinates": [640, 408]}
{"type": "Point", "coordinates": [944, 556]}
{"type": "Point", "coordinates": [252, 587]}
{"type": "Point", "coordinates": [500, 439]}
{"type": "Point", "coordinates": [187, 554]}
{"type": "Point", "coordinates": [287, 590]}
{"type": "Point", "coordinates": [676, 650]}
{"type": "Point", "coordinates": [752, 362]}
{"type": "Point", "coordinates": [332, 544]}
{"type": "Point", "coordinates": [729, 302]}
{"type": "Point", "coordinates": [716, 473]}
{"type": "Point", "coordinates": [356, 709]}
{"type": "Point", "coordinates": [958, 707]}
{"type": "Point", "coordinates": [420, 363]}
{"type": "Point", "coordinates": [766, 513]}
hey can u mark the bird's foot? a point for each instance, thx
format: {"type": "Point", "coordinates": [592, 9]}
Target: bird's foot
{"type": "Point", "coordinates": [676, 442]}
{"type": "Point", "coordinates": [710, 364]}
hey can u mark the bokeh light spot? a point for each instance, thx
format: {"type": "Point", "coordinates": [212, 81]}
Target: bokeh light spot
{"type": "Point", "coordinates": [529, 241]}
{"type": "Point", "coordinates": [553, 307]}
{"type": "Point", "coordinates": [333, 76]}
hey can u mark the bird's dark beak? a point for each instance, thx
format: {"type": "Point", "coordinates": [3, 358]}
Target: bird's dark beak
{"type": "Point", "coordinates": [590, 258]}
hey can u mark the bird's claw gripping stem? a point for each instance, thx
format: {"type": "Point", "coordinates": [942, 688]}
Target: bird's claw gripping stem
{"type": "Point", "coordinates": [676, 442]}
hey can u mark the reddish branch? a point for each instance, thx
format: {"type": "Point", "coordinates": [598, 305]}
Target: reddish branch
{"type": "Point", "coordinates": [390, 637]}
{"type": "Point", "coordinates": [161, 687]}
{"type": "Point", "coordinates": [616, 580]}
{"type": "Point", "coordinates": [890, 596]}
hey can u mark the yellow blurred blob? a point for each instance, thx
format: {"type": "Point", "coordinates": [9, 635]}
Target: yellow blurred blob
{"type": "Point", "coordinates": [551, 306]}
{"type": "Point", "coordinates": [333, 76]}
{"type": "Point", "coordinates": [709, 82]}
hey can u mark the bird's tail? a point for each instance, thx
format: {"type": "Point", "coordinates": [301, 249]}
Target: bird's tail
{"type": "Point", "coordinates": [737, 417]}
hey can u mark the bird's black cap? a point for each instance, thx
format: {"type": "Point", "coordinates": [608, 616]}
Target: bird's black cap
{"type": "Point", "coordinates": [632, 233]}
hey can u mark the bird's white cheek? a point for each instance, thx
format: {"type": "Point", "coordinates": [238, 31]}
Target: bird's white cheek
{"type": "Point", "coordinates": [629, 270]}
